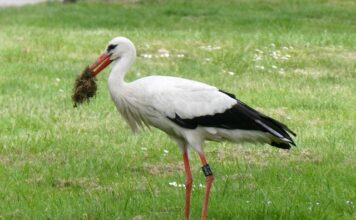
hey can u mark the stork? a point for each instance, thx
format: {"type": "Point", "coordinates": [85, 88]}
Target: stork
{"type": "Point", "coordinates": [190, 112]}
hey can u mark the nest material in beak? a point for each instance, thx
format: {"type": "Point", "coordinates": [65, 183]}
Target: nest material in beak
{"type": "Point", "coordinates": [84, 87]}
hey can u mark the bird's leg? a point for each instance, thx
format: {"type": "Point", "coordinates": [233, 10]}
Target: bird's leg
{"type": "Point", "coordinates": [188, 183]}
{"type": "Point", "coordinates": [208, 182]}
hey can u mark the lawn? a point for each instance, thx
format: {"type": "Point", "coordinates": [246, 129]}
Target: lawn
{"type": "Point", "coordinates": [294, 61]}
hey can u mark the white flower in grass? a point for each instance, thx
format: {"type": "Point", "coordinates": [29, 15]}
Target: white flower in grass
{"type": "Point", "coordinates": [181, 185]}
{"type": "Point", "coordinates": [147, 55]}
{"type": "Point", "coordinates": [257, 57]}
{"type": "Point", "coordinates": [174, 184]}
{"type": "Point", "coordinates": [201, 185]}
{"type": "Point", "coordinates": [231, 73]}
{"type": "Point", "coordinates": [281, 71]}
{"type": "Point", "coordinates": [165, 55]}
{"type": "Point", "coordinates": [165, 151]}
{"type": "Point", "coordinates": [317, 203]}
{"type": "Point", "coordinates": [284, 58]}
{"type": "Point", "coordinates": [180, 55]}
{"type": "Point", "coordinates": [349, 202]}
{"type": "Point", "coordinates": [276, 55]}
{"type": "Point", "coordinates": [58, 79]}
{"type": "Point", "coordinates": [207, 47]}
{"type": "Point", "coordinates": [210, 48]}
{"type": "Point", "coordinates": [163, 51]}
{"type": "Point", "coordinates": [207, 59]}
{"type": "Point", "coordinates": [259, 51]}
{"type": "Point", "coordinates": [260, 67]}
{"type": "Point", "coordinates": [274, 67]}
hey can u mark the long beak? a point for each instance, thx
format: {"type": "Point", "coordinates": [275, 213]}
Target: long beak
{"type": "Point", "coordinates": [100, 64]}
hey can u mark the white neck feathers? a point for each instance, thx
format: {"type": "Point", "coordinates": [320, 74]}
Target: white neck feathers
{"type": "Point", "coordinates": [119, 69]}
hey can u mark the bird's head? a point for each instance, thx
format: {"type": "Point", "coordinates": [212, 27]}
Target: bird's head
{"type": "Point", "coordinates": [117, 48]}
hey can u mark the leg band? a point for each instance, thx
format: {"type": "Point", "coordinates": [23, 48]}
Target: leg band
{"type": "Point", "coordinates": [206, 170]}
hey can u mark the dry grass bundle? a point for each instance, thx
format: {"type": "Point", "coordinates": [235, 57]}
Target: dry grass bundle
{"type": "Point", "coordinates": [84, 87]}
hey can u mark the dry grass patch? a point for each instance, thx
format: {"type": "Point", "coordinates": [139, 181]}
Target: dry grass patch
{"type": "Point", "coordinates": [245, 155]}
{"type": "Point", "coordinates": [10, 215]}
{"type": "Point", "coordinates": [163, 169]}
{"type": "Point", "coordinates": [240, 176]}
{"type": "Point", "coordinates": [314, 72]}
{"type": "Point", "coordinates": [82, 182]}
{"type": "Point", "coordinates": [261, 157]}
{"type": "Point", "coordinates": [4, 160]}
{"type": "Point", "coordinates": [85, 183]}
{"type": "Point", "coordinates": [332, 53]}
{"type": "Point", "coordinates": [35, 179]}
{"type": "Point", "coordinates": [305, 155]}
{"type": "Point", "coordinates": [349, 56]}
{"type": "Point", "coordinates": [21, 159]}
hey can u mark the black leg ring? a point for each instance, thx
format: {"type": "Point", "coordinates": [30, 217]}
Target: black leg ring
{"type": "Point", "coordinates": [206, 170]}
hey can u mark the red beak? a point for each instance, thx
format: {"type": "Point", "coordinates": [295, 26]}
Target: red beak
{"type": "Point", "coordinates": [100, 64]}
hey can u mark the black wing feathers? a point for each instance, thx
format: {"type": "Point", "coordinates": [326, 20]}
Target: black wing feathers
{"type": "Point", "coordinates": [240, 116]}
{"type": "Point", "coordinates": [272, 123]}
{"type": "Point", "coordinates": [281, 145]}
{"type": "Point", "coordinates": [227, 93]}
{"type": "Point", "coordinates": [260, 114]}
{"type": "Point", "coordinates": [233, 118]}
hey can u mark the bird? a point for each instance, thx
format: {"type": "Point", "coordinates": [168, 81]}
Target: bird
{"type": "Point", "coordinates": [189, 112]}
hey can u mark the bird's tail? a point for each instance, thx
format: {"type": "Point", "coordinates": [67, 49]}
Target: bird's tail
{"type": "Point", "coordinates": [281, 133]}
{"type": "Point", "coordinates": [282, 138]}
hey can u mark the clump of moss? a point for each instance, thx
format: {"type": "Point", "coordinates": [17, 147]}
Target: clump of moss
{"type": "Point", "coordinates": [84, 87]}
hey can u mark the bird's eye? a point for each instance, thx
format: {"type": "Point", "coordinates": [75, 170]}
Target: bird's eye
{"type": "Point", "coordinates": [111, 47]}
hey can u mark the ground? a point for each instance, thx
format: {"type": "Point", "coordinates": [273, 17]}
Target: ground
{"type": "Point", "coordinates": [293, 61]}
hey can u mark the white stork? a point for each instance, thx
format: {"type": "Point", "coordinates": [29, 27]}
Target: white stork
{"type": "Point", "coordinates": [189, 112]}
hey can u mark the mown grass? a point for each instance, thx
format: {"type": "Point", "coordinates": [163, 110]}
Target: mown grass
{"type": "Point", "coordinates": [294, 61]}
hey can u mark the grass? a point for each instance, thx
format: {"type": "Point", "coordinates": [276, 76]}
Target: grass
{"type": "Point", "coordinates": [294, 61]}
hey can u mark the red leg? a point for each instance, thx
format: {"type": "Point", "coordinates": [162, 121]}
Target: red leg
{"type": "Point", "coordinates": [188, 183]}
{"type": "Point", "coordinates": [208, 182]}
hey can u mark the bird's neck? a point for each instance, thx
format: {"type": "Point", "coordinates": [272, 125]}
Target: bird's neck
{"type": "Point", "coordinates": [119, 70]}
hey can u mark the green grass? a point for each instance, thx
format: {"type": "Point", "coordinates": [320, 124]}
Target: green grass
{"type": "Point", "coordinates": [57, 162]}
